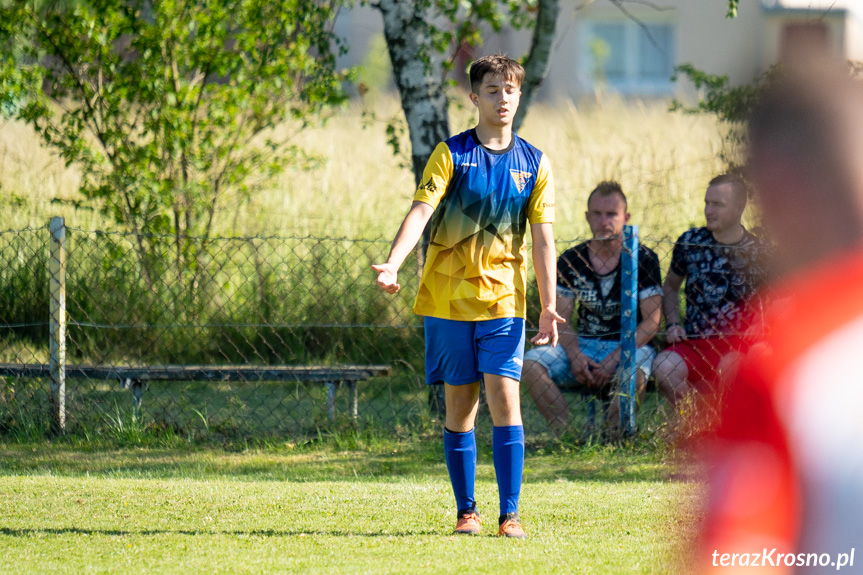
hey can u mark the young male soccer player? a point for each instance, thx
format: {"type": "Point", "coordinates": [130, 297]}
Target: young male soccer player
{"type": "Point", "coordinates": [483, 186]}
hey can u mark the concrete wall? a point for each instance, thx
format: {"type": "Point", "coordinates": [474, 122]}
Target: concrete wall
{"type": "Point", "coordinates": [357, 26]}
{"type": "Point", "coordinates": [854, 35]}
{"type": "Point", "coordinates": [717, 45]}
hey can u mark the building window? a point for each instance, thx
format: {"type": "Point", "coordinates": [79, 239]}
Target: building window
{"type": "Point", "coordinates": [629, 57]}
{"type": "Point", "coordinates": [655, 53]}
{"type": "Point", "coordinates": [610, 61]}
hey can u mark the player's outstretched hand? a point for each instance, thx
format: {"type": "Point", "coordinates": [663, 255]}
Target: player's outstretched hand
{"type": "Point", "coordinates": [548, 320]}
{"type": "Point", "coordinates": [388, 276]}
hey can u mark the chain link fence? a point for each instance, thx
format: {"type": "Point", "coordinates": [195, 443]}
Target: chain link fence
{"type": "Point", "coordinates": [220, 316]}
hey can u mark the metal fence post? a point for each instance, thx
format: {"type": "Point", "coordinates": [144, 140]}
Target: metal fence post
{"type": "Point", "coordinates": [331, 400]}
{"type": "Point", "coordinates": [628, 324]}
{"type": "Point", "coordinates": [57, 330]}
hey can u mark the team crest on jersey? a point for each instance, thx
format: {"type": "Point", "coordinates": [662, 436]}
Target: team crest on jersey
{"type": "Point", "coordinates": [430, 187]}
{"type": "Point", "coordinates": [520, 179]}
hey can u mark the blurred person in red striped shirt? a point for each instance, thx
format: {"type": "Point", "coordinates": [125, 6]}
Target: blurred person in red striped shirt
{"type": "Point", "coordinates": [786, 462]}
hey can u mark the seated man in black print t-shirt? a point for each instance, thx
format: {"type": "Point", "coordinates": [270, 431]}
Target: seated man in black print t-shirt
{"type": "Point", "coordinates": [723, 265]}
{"type": "Point", "coordinates": [588, 291]}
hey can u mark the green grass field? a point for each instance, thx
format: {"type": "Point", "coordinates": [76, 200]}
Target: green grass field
{"type": "Point", "coordinates": [285, 509]}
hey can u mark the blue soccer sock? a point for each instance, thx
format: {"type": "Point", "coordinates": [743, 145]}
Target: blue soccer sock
{"type": "Point", "coordinates": [508, 455]}
{"type": "Point", "coordinates": [460, 452]}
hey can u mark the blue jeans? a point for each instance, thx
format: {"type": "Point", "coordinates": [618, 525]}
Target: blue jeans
{"type": "Point", "coordinates": [556, 361]}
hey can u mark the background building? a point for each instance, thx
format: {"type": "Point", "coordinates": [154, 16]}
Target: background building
{"type": "Point", "coordinates": [599, 46]}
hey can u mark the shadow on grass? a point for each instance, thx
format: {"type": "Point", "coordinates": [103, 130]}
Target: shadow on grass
{"type": "Point", "coordinates": [423, 460]}
{"type": "Point", "coordinates": [30, 532]}
{"type": "Point", "coordinates": [605, 467]}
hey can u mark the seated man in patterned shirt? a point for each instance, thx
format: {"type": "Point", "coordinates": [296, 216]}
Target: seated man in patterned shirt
{"type": "Point", "coordinates": [723, 265]}
{"type": "Point", "coordinates": [589, 274]}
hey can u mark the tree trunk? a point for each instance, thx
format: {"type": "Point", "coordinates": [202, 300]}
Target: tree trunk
{"type": "Point", "coordinates": [539, 58]}
{"type": "Point", "coordinates": [424, 101]}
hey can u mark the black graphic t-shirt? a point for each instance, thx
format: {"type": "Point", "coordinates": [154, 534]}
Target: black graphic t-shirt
{"type": "Point", "coordinates": [598, 297]}
{"type": "Point", "coordinates": [720, 281]}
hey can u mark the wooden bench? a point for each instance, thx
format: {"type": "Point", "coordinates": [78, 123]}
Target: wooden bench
{"type": "Point", "coordinates": [135, 378]}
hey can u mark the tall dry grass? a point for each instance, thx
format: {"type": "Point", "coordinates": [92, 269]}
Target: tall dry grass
{"type": "Point", "coordinates": [356, 187]}
{"type": "Point", "coordinates": [307, 300]}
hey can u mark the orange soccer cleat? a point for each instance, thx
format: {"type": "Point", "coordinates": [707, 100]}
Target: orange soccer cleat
{"type": "Point", "coordinates": [511, 528]}
{"type": "Point", "coordinates": [468, 524]}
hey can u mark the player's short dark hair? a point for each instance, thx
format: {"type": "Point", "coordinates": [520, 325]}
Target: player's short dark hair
{"type": "Point", "coordinates": [737, 185]}
{"type": "Point", "coordinates": [608, 188]}
{"type": "Point", "coordinates": [496, 65]}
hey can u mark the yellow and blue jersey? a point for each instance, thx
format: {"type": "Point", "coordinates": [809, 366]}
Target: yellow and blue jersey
{"type": "Point", "coordinates": [476, 264]}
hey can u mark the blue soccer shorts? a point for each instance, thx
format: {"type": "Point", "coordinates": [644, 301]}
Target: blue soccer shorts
{"type": "Point", "coordinates": [459, 352]}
